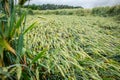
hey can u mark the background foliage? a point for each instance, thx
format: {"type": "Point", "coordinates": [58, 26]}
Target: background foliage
{"type": "Point", "coordinates": [50, 7]}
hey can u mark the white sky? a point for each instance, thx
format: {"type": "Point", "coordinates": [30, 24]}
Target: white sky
{"type": "Point", "coordinates": [83, 3]}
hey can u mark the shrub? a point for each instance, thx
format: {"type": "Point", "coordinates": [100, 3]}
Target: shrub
{"type": "Point", "coordinates": [30, 11]}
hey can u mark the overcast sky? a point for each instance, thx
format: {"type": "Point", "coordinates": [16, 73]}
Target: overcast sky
{"type": "Point", "coordinates": [83, 3]}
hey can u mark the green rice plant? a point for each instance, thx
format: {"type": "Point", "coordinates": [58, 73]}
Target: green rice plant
{"type": "Point", "coordinates": [12, 31]}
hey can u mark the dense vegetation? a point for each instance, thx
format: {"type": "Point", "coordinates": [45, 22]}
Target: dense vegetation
{"type": "Point", "coordinates": [78, 47]}
{"type": "Point", "coordinates": [49, 7]}
{"type": "Point", "coordinates": [98, 11]}
{"type": "Point", "coordinates": [79, 12]}
{"type": "Point", "coordinates": [106, 11]}
{"type": "Point", "coordinates": [66, 44]}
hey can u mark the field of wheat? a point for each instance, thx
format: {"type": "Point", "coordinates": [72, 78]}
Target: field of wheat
{"type": "Point", "coordinates": [76, 47]}
{"type": "Point", "coordinates": [61, 44]}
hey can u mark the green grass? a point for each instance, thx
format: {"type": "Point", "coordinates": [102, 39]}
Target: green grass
{"type": "Point", "coordinates": [76, 47]}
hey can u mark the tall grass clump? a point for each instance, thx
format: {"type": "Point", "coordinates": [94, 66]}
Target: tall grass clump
{"type": "Point", "coordinates": [106, 11]}
{"type": "Point", "coordinates": [13, 62]}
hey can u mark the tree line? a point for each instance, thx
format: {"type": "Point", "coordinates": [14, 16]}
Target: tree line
{"type": "Point", "coordinates": [50, 7]}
